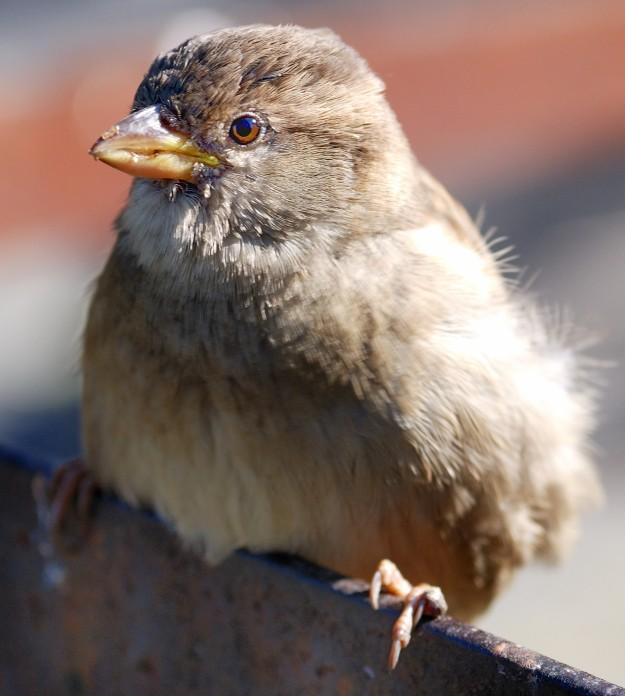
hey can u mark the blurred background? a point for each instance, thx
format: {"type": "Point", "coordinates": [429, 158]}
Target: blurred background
{"type": "Point", "coordinates": [519, 107]}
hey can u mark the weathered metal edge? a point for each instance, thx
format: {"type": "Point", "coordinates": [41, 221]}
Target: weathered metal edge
{"type": "Point", "coordinates": [465, 636]}
{"type": "Point", "coordinates": [512, 657]}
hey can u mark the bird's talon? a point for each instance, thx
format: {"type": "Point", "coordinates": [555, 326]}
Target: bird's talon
{"type": "Point", "coordinates": [70, 492]}
{"type": "Point", "coordinates": [393, 655]}
{"type": "Point", "coordinates": [86, 493]}
{"type": "Point", "coordinates": [417, 600]}
{"type": "Point", "coordinates": [375, 589]}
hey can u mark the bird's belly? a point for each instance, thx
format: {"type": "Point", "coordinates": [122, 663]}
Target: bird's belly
{"type": "Point", "coordinates": [214, 474]}
{"type": "Point", "coordinates": [229, 472]}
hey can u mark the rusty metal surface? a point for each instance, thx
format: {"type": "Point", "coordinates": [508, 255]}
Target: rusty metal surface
{"type": "Point", "coordinates": [133, 613]}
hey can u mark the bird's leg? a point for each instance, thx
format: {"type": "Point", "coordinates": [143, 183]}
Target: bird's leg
{"type": "Point", "coordinates": [417, 600]}
{"type": "Point", "coordinates": [70, 493]}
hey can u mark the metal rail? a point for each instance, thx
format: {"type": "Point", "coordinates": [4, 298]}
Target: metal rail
{"type": "Point", "coordinates": [133, 613]}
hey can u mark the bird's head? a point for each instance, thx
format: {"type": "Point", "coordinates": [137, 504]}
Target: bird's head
{"type": "Point", "coordinates": [253, 145]}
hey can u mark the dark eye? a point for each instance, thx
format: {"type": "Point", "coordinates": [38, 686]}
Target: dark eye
{"type": "Point", "coordinates": [245, 129]}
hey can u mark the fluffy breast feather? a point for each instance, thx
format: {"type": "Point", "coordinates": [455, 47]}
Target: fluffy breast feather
{"type": "Point", "coordinates": [432, 416]}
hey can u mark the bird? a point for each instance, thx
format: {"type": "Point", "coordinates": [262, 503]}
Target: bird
{"type": "Point", "coordinates": [302, 343]}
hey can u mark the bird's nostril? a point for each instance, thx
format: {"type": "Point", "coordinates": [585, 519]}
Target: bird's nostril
{"type": "Point", "coordinates": [171, 121]}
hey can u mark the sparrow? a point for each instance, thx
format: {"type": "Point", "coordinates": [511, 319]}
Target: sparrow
{"type": "Point", "coordinates": [302, 343]}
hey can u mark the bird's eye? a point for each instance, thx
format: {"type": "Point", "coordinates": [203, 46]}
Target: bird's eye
{"type": "Point", "coordinates": [245, 129]}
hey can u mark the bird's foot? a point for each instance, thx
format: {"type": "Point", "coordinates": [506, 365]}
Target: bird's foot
{"type": "Point", "coordinates": [418, 600]}
{"type": "Point", "coordinates": [65, 500]}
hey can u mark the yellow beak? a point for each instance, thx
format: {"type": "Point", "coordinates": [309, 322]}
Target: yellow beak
{"type": "Point", "coordinates": [142, 146]}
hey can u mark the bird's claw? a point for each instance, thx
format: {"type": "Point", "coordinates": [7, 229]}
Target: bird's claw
{"type": "Point", "coordinates": [417, 600]}
{"type": "Point", "coordinates": [375, 589]}
{"type": "Point", "coordinates": [70, 491]}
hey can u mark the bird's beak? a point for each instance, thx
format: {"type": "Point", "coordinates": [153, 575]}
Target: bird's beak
{"type": "Point", "coordinates": [141, 145]}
